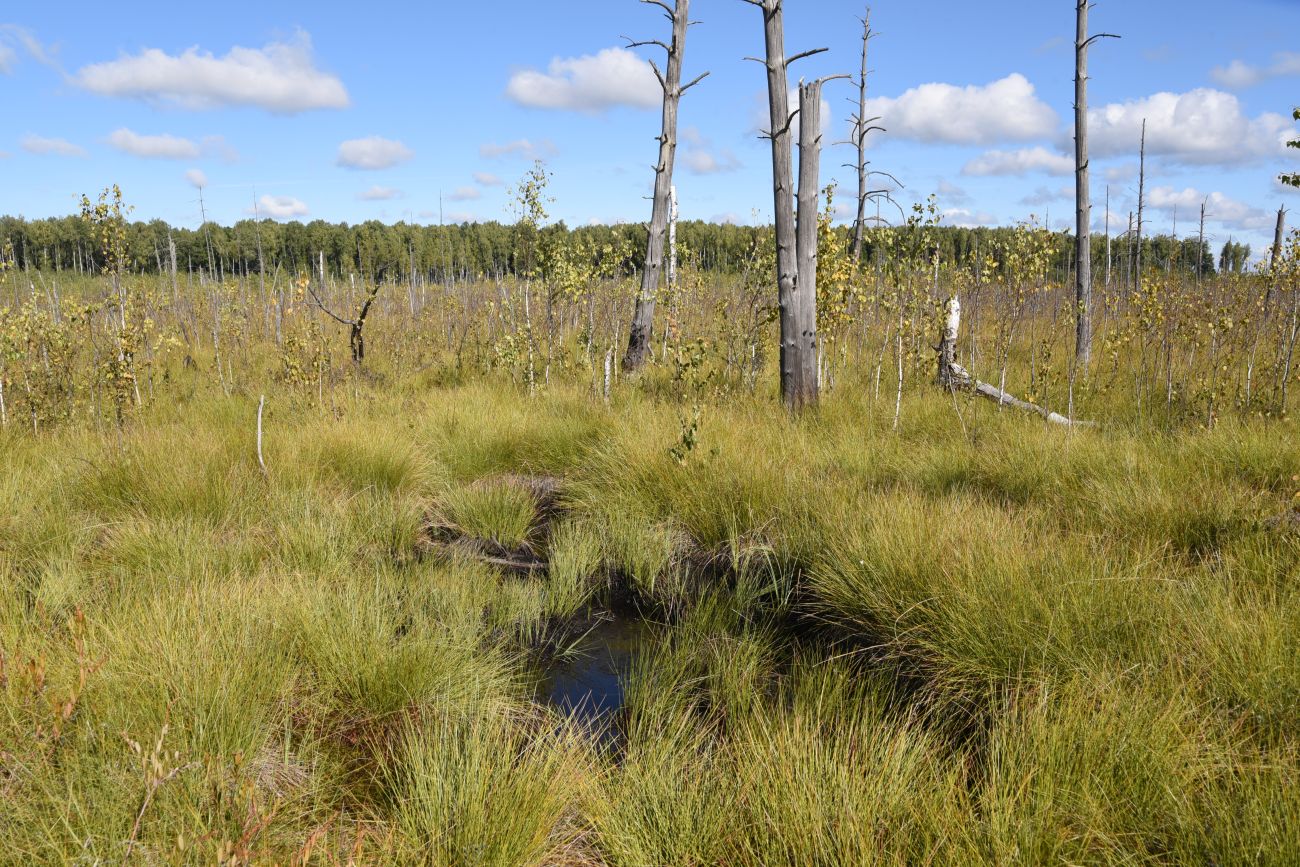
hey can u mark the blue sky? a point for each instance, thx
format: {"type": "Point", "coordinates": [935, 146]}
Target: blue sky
{"type": "Point", "coordinates": [378, 110]}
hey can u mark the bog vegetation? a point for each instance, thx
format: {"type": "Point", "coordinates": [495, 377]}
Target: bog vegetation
{"type": "Point", "coordinates": [295, 523]}
{"type": "Point", "coordinates": [912, 626]}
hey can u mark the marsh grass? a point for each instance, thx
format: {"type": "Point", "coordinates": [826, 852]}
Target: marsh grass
{"type": "Point", "coordinates": [985, 642]}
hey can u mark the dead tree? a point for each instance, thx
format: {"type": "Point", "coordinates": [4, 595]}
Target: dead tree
{"type": "Point", "coordinates": [356, 327]}
{"type": "Point", "coordinates": [862, 127]}
{"type": "Point", "coordinates": [1142, 183]}
{"type": "Point", "coordinates": [1082, 192]}
{"type": "Point", "coordinates": [638, 343]}
{"type": "Point", "coordinates": [953, 376]}
{"type": "Point", "coordinates": [798, 312]}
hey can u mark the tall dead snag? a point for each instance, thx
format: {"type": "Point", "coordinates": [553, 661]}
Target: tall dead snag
{"type": "Point", "coordinates": [807, 229]}
{"type": "Point", "coordinates": [638, 343]}
{"type": "Point", "coordinates": [861, 128]}
{"type": "Point", "coordinates": [1082, 192]}
{"type": "Point", "coordinates": [798, 311]}
{"type": "Point", "coordinates": [1142, 185]}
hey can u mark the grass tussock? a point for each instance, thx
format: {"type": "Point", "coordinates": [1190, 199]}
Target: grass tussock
{"type": "Point", "coordinates": [958, 642]}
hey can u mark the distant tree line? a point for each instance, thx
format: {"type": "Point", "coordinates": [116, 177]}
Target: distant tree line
{"type": "Point", "coordinates": [492, 249]}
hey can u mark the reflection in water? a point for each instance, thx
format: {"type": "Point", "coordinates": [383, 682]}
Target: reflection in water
{"type": "Point", "coordinates": [587, 683]}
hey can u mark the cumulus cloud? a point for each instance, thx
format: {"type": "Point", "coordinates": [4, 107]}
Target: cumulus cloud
{"type": "Point", "coordinates": [35, 144]}
{"type": "Point", "coordinates": [280, 77]}
{"type": "Point", "coordinates": [373, 153]}
{"type": "Point", "coordinates": [593, 83]}
{"type": "Point", "coordinates": [196, 178]}
{"type": "Point", "coordinates": [1019, 162]}
{"type": "Point", "coordinates": [1219, 208]}
{"type": "Point", "coordinates": [968, 219]}
{"type": "Point", "coordinates": [1122, 172]}
{"type": "Point", "coordinates": [523, 148]}
{"type": "Point", "coordinates": [465, 194]}
{"type": "Point", "coordinates": [487, 179]}
{"type": "Point", "coordinates": [379, 194]}
{"type": "Point", "coordinates": [1044, 196]}
{"type": "Point", "coordinates": [701, 162]}
{"type": "Point", "coordinates": [281, 207]}
{"type": "Point", "coordinates": [158, 147]}
{"type": "Point", "coordinates": [948, 191]}
{"type": "Point", "coordinates": [1004, 110]}
{"type": "Point", "coordinates": [1201, 127]}
{"type": "Point", "coordinates": [1239, 75]}
{"type": "Point", "coordinates": [4, 155]}
{"type": "Point", "coordinates": [700, 158]}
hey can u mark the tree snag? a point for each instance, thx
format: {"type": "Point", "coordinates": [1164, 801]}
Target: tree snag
{"type": "Point", "coordinates": [1082, 191]}
{"type": "Point", "coordinates": [638, 343]}
{"type": "Point", "coordinates": [797, 300]}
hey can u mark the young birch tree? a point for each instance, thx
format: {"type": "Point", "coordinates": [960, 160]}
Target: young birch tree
{"type": "Point", "coordinates": [638, 343]}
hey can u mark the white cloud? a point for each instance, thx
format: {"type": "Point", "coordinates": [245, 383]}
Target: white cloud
{"type": "Point", "coordinates": [161, 147]}
{"type": "Point", "coordinates": [1123, 172]}
{"type": "Point", "coordinates": [700, 158]}
{"type": "Point", "coordinates": [281, 207]}
{"type": "Point", "coordinates": [11, 38]}
{"type": "Point", "coordinates": [280, 77]}
{"type": "Point", "coordinates": [196, 178]}
{"type": "Point", "coordinates": [1239, 75]}
{"type": "Point", "coordinates": [465, 194]}
{"type": "Point", "coordinates": [457, 217]}
{"type": "Point", "coordinates": [592, 83]}
{"type": "Point", "coordinates": [1004, 110]}
{"type": "Point", "coordinates": [1044, 196]}
{"type": "Point", "coordinates": [968, 219]}
{"type": "Point", "coordinates": [373, 153]}
{"type": "Point", "coordinates": [524, 148]}
{"type": "Point", "coordinates": [486, 179]}
{"type": "Point", "coordinates": [1019, 162]}
{"type": "Point", "coordinates": [1202, 127]}
{"type": "Point", "coordinates": [379, 194]}
{"type": "Point", "coordinates": [4, 155]}
{"type": "Point", "coordinates": [947, 191]}
{"type": "Point", "coordinates": [1219, 208]}
{"type": "Point", "coordinates": [35, 144]}
{"type": "Point", "coordinates": [702, 162]}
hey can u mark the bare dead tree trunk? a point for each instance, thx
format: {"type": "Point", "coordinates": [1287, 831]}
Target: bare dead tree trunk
{"type": "Point", "coordinates": [1277, 239]}
{"type": "Point", "coordinates": [1109, 258]}
{"type": "Point", "coordinates": [1082, 190]}
{"type": "Point", "coordinates": [804, 363]}
{"type": "Point", "coordinates": [798, 373]}
{"type": "Point", "coordinates": [862, 126]}
{"type": "Point", "coordinates": [1082, 205]}
{"type": "Point", "coordinates": [672, 238]}
{"type": "Point", "coordinates": [1200, 245]}
{"type": "Point", "coordinates": [1142, 182]}
{"type": "Point", "coordinates": [638, 344]}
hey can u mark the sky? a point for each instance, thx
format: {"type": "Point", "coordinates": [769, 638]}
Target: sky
{"type": "Point", "coordinates": [430, 111]}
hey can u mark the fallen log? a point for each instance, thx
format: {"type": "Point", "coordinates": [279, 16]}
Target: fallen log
{"type": "Point", "coordinates": [953, 376]}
